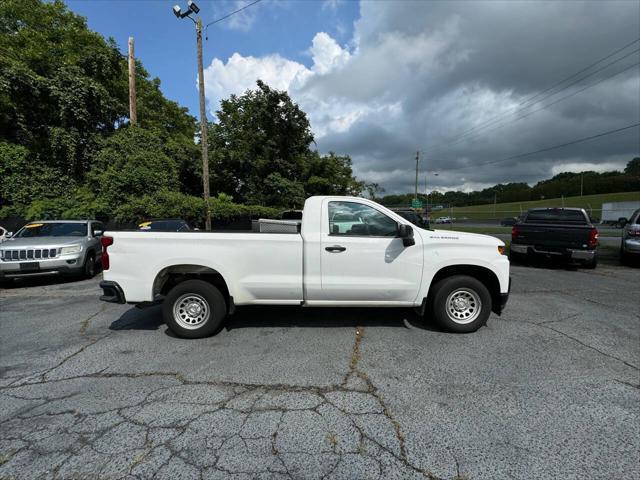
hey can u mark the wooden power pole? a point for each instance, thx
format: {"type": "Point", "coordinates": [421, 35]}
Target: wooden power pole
{"type": "Point", "coordinates": [203, 129]}
{"type": "Point", "coordinates": [133, 113]}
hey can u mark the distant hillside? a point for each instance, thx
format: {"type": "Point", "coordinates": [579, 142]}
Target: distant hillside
{"type": "Point", "coordinates": [592, 203]}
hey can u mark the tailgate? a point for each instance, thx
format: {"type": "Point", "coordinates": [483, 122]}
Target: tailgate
{"type": "Point", "coordinates": [554, 236]}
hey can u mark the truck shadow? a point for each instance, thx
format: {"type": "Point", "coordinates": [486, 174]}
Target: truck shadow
{"type": "Point", "coordinates": [150, 318]}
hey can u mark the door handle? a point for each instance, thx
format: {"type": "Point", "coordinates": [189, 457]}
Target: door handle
{"type": "Point", "coordinates": [335, 248]}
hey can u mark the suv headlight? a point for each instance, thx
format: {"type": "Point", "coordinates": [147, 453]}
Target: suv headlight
{"type": "Point", "coordinates": [70, 249]}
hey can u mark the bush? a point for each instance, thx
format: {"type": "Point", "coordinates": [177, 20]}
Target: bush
{"type": "Point", "coordinates": [169, 204]}
{"type": "Point", "coordinates": [81, 204]}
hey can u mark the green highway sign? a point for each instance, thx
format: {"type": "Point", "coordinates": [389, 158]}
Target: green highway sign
{"type": "Point", "coordinates": [416, 203]}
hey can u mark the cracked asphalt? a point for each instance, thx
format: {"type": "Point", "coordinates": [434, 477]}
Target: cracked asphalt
{"type": "Point", "coordinates": [548, 390]}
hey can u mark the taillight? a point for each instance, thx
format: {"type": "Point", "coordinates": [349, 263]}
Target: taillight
{"type": "Point", "coordinates": [634, 231]}
{"type": "Point", "coordinates": [105, 241]}
{"type": "Point", "coordinates": [515, 231]}
{"type": "Point", "coordinates": [593, 237]}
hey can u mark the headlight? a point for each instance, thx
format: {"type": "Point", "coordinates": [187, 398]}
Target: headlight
{"type": "Point", "coordinates": [70, 249]}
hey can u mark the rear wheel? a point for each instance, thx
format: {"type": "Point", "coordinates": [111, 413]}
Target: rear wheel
{"type": "Point", "coordinates": [461, 303]}
{"type": "Point", "coordinates": [591, 264]}
{"type": "Point", "coordinates": [89, 269]}
{"type": "Point", "coordinates": [515, 257]}
{"type": "Point", "coordinates": [194, 309]}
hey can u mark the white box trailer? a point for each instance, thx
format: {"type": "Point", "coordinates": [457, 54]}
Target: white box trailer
{"type": "Point", "coordinates": [614, 211]}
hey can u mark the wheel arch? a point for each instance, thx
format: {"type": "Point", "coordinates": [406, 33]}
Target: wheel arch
{"type": "Point", "coordinates": [483, 274]}
{"type": "Point", "coordinates": [172, 275]}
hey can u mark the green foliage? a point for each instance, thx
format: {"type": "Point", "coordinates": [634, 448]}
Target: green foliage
{"type": "Point", "coordinates": [79, 204]}
{"type": "Point", "coordinates": [169, 204]}
{"type": "Point", "coordinates": [130, 164]}
{"type": "Point", "coordinates": [25, 178]}
{"type": "Point", "coordinates": [63, 91]}
{"type": "Point", "coordinates": [633, 167]}
{"type": "Point", "coordinates": [259, 153]}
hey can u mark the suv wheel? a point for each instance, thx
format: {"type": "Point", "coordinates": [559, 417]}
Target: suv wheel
{"type": "Point", "coordinates": [194, 309]}
{"type": "Point", "coordinates": [89, 268]}
{"type": "Point", "coordinates": [461, 303]}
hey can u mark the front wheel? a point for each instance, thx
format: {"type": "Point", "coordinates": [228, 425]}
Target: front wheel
{"type": "Point", "coordinates": [194, 309]}
{"type": "Point", "coordinates": [461, 304]}
{"type": "Point", "coordinates": [89, 268]}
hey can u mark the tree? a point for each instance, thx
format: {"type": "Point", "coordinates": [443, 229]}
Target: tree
{"type": "Point", "coordinates": [132, 163]}
{"type": "Point", "coordinates": [260, 152]}
{"type": "Point", "coordinates": [259, 133]}
{"type": "Point", "coordinates": [63, 90]}
{"type": "Point", "coordinates": [633, 167]}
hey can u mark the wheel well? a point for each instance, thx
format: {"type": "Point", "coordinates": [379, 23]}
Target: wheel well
{"type": "Point", "coordinates": [171, 276]}
{"type": "Point", "coordinates": [486, 276]}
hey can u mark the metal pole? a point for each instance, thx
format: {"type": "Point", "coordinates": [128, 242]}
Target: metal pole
{"type": "Point", "coordinates": [203, 129]}
{"type": "Point", "coordinates": [417, 159]}
{"type": "Point", "coordinates": [581, 182]}
{"type": "Point", "coordinates": [133, 113]}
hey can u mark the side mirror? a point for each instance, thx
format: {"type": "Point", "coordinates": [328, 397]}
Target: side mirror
{"type": "Point", "coordinates": [9, 235]}
{"type": "Point", "coordinates": [405, 232]}
{"type": "Point", "coordinates": [98, 233]}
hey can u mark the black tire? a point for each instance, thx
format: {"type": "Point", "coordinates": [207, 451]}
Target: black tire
{"type": "Point", "coordinates": [515, 257]}
{"type": "Point", "coordinates": [89, 267]}
{"type": "Point", "coordinates": [203, 295]}
{"type": "Point", "coordinates": [452, 286]}
{"type": "Point", "coordinates": [591, 264]}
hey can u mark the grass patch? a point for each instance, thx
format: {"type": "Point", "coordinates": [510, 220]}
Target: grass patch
{"type": "Point", "coordinates": [591, 203]}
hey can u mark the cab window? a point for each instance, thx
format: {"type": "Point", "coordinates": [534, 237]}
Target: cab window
{"type": "Point", "coordinates": [356, 219]}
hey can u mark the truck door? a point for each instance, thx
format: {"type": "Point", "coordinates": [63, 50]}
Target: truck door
{"type": "Point", "coordinates": [362, 258]}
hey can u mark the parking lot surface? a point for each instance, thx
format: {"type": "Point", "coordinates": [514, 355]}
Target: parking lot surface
{"type": "Point", "coordinates": [548, 390]}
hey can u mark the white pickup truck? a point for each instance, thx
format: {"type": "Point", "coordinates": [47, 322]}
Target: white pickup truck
{"type": "Point", "coordinates": [345, 252]}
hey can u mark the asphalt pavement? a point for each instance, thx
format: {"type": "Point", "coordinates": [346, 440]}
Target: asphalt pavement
{"type": "Point", "coordinates": [551, 389]}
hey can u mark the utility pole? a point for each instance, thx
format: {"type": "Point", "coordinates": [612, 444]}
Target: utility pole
{"type": "Point", "coordinates": [133, 113]}
{"type": "Point", "coordinates": [495, 200]}
{"type": "Point", "coordinates": [177, 11]}
{"type": "Point", "coordinates": [417, 160]}
{"type": "Point", "coordinates": [203, 129]}
{"type": "Point", "coordinates": [581, 182]}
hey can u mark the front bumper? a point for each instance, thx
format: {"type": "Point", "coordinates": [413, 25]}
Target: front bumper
{"type": "Point", "coordinates": [504, 298]}
{"type": "Point", "coordinates": [66, 264]}
{"type": "Point", "coordinates": [569, 253]}
{"type": "Point", "coordinates": [112, 292]}
{"type": "Point", "coordinates": [631, 245]}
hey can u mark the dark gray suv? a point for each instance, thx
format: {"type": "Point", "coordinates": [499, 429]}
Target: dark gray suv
{"type": "Point", "coordinates": [52, 247]}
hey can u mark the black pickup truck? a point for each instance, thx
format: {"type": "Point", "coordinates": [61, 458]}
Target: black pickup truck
{"type": "Point", "coordinates": [563, 233]}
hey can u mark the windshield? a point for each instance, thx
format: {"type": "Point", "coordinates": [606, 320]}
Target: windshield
{"type": "Point", "coordinates": [556, 215]}
{"type": "Point", "coordinates": [32, 230]}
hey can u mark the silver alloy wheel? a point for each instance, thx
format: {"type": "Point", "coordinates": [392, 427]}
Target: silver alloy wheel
{"type": "Point", "coordinates": [191, 311]}
{"type": "Point", "coordinates": [463, 306]}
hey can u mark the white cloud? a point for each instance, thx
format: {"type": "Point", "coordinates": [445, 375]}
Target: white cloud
{"type": "Point", "coordinates": [417, 75]}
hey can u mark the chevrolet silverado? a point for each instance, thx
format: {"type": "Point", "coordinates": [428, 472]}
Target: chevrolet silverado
{"type": "Point", "coordinates": [345, 252]}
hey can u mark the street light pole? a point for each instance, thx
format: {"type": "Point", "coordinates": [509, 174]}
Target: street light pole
{"type": "Point", "coordinates": [177, 11]}
{"type": "Point", "coordinates": [203, 129]}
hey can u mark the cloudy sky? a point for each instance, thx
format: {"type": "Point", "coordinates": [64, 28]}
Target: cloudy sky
{"type": "Point", "coordinates": [466, 83]}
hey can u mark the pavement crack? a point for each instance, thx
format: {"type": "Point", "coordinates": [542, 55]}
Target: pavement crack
{"type": "Point", "coordinates": [85, 323]}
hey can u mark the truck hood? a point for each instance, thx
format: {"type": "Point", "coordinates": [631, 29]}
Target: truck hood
{"type": "Point", "coordinates": [463, 237]}
{"type": "Point", "coordinates": [42, 242]}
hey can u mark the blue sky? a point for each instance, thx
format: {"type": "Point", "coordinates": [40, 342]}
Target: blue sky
{"type": "Point", "coordinates": [382, 79]}
{"type": "Point", "coordinates": [166, 46]}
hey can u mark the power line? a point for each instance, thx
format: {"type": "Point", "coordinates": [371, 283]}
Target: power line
{"type": "Point", "coordinates": [520, 106]}
{"type": "Point", "coordinates": [543, 107]}
{"type": "Point", "coordinates": [582, 71]}
{"type": "Point", "coordinates": [218, 20]}
{"type": "Point", "coordinates": [546, 149]}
